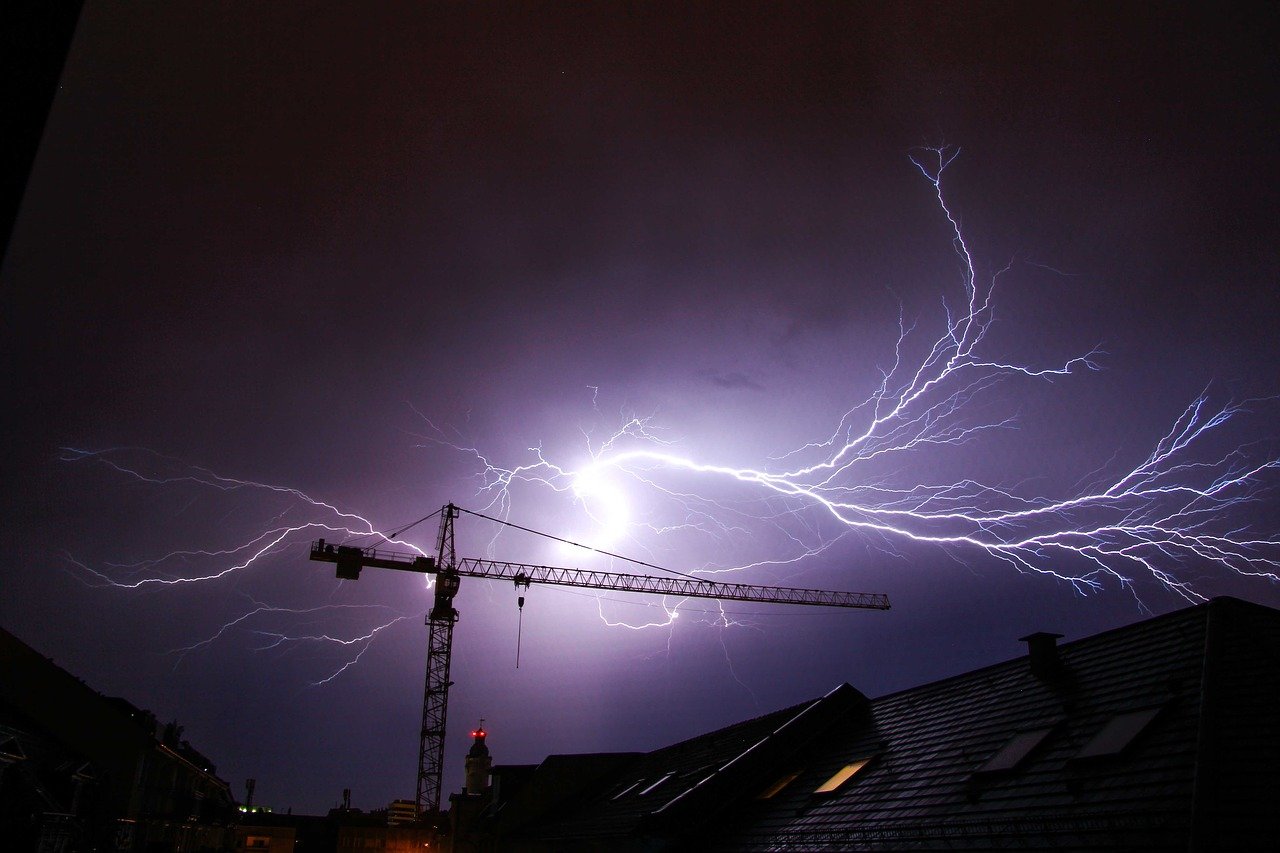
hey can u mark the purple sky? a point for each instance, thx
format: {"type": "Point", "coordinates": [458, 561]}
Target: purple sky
{"type": "Point", "coordinates": [296, 247]}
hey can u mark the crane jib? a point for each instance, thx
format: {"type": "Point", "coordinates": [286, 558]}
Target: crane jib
{"type": "Point", "coordinates": [679, 586]}
{"type": "Point", "coordinates": [350, 559]}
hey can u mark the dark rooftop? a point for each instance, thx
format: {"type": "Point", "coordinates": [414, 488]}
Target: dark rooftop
{"type": "Point", "coordinates": [1159, 735]}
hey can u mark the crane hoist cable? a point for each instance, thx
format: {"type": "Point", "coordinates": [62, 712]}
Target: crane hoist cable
{"type": "Point", "coordinates": [521, 580]}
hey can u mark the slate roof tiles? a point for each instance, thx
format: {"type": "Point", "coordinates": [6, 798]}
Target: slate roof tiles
{"type": "Point", "coordinates": [1160, 735]}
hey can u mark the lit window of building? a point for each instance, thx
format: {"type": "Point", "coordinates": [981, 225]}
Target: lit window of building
{"type": "Point", "coordinates": [842, 776]}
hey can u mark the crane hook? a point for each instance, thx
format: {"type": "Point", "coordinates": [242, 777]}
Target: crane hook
{"type": "Point", "coordinates": [521, 580]}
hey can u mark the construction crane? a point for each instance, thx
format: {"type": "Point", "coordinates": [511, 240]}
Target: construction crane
{"type": "Point", "coordinates": [449, 570]}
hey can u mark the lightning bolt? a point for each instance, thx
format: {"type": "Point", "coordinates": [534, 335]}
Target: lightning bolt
{"type": "Point", "coordinates": [1173, 510]}
{"type": "Point", "coordinates": [174, 568]}
{"type": "Point", "coordinates": [1179, 510]}
{"type": "Point", "coordinates": [356, 645]}
{"type": "Point", "coordinates": [242, 555]}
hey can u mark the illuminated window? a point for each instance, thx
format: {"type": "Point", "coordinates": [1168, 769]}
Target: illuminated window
{"type": "Point", "coordinates": [1013, 752]}
{"type": "Point", "coordinates": [257, 841]}
{"type": "Point", "coordinates": [844, 775]}
{"type": "Point", "coordinates": [1118, 733]}
{"type": "Point", "coordinates": [776, 787]}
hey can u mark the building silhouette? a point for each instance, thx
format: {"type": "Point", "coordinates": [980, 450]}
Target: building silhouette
{"type": "Point", "coordinates": [1163, 735]}
{"type": "Point", "coordinates": [82, 771]}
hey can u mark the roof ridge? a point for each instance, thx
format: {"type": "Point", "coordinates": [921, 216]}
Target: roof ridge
{"type": "Point", "coordinates": [1198, 611]}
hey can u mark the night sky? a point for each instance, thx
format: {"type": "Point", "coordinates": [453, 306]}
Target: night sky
{"type": "Point", "coordinates": [343, 252]}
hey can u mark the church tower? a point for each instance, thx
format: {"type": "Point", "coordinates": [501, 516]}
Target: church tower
{"type": "Point", "coordinates": [478, 763]}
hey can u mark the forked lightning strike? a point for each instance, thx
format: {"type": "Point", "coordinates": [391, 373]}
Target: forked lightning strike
{"type": "Point", "coordinates": [359, 643]}
{"type": "Point", "coordinates": [241, 556]}
{"type": "Point", "coordinates": [1171, 511]}
{"type": "Point", "coordinates": [1177, 511]}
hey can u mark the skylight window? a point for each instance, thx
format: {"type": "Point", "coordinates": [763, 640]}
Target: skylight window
{"type": "Point", "coordinates": [1120, 731]}
{"type": "Point", "coordinates": [774, 789]}
{"type": "Point", "coordinates": [1017, 749]}
{"type": "Point", "coordinates": [842, 776]}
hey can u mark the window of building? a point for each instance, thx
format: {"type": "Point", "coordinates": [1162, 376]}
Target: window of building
{"type": "Point", "coordinates": [1015, 750]}
{"type": "Point", "coordinates": [1120, 731]}
{"type": "Point", "coordinates": [258, 842]}
{"type": "Point", "coordinates": [842, 776]}
{"type": "Point", "coordinates": [776, 788]}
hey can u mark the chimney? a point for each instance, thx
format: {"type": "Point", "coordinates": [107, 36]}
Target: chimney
{"type": "Point", "coordinates": [478, 763]}
{"type": "Point", "coordinates": [1042, 648]}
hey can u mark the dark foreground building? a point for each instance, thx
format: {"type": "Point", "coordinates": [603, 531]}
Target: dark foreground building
{"type": "Point", "coordinates": [1164, 735]}
{"type": "Point", "coordinates": [83, 771]}
{"type": "Point", "coordinates": [341, 831]}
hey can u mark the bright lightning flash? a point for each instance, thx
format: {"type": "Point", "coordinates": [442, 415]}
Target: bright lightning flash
{"type": "Point", "coordinates": [605, 502]}
{"type": "Point", "coordinates": [1172, 512]}
{"type": "Point", "coordinates": [1176, 512]}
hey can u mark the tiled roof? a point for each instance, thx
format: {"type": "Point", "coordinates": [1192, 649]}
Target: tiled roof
{"type": "Point", "coordinates": [665, 779]}
{"type": "Point", "coordinates": [1139, 738]}
{"type": "Point", "coordinates": [1105, 775]}
{"type": "Point", "coordinates": [923, 787]}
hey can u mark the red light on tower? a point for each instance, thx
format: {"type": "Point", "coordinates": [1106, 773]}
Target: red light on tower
{"type": "Point", "coordinates": [478, 763]}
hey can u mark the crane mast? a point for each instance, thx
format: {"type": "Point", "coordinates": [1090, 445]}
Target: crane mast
{"type": "Point", "coordinates": [449, 570]}
{"type": "Point", "coordinates": [435, 690]}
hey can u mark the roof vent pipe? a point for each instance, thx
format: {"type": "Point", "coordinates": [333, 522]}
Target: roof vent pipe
{"type": "Point", "coordinates": [1042, 648]}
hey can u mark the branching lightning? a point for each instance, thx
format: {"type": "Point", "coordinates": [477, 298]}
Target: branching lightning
{"type": "Point", "coordinates": [241, 555]}
{"type": "Point", "coordinates": [1172, 511]}
{"type": "Point", "coordinates": [1175, 514]}
{"type": "Point", "coordinates": [165, 570]}
{"type": "Point", "coordinates": [356, 645]}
